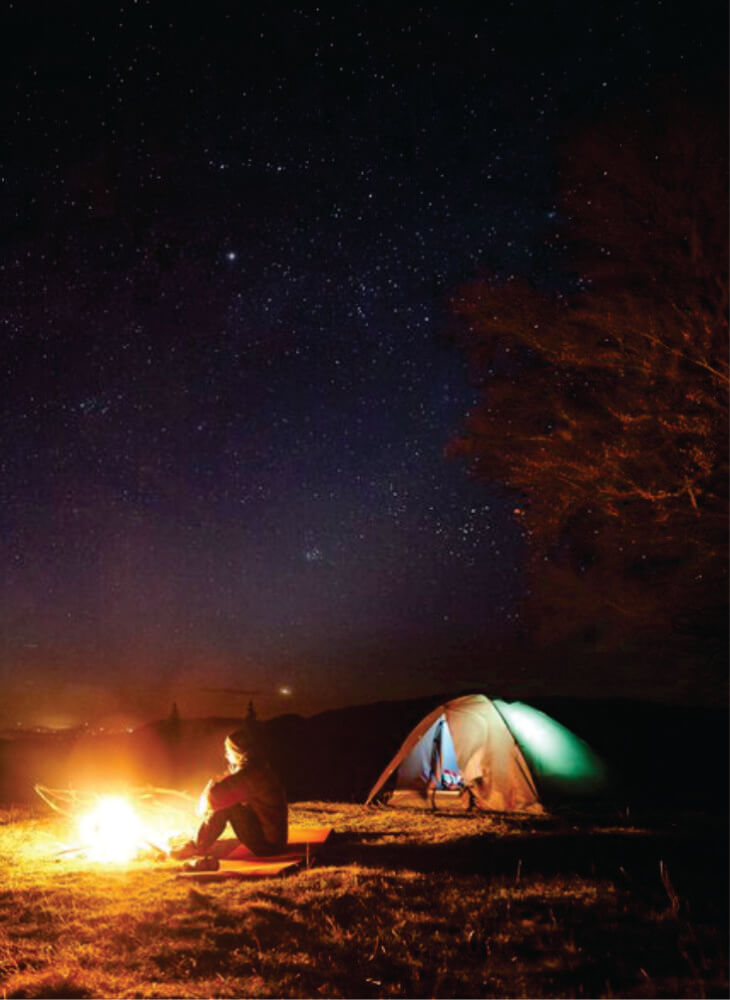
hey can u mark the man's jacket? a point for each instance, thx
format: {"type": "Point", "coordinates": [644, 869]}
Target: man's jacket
{"type": "Point", "coordinates": [257, 786]}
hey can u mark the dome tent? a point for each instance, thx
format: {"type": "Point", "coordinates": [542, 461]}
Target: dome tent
{"type": "Point", "coordinates": [505, 757]}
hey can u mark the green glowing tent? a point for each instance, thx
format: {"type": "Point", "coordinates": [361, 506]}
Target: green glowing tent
{"type": "Point", "coordinates": [502, 756]}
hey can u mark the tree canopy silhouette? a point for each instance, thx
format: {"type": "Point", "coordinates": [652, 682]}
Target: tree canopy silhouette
{"type": "Point", "coordinates": [604, 407]}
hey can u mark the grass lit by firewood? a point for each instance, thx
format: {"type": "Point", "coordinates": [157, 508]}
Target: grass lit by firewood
{"type": "Point", "coordinates": [399, 903]}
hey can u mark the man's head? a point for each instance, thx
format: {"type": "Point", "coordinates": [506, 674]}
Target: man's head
{"type": "Point", "coordinates": [238, 747]}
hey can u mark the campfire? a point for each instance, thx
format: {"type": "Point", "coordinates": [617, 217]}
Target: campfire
{"type": "Point", "coordinates": [119, 828]}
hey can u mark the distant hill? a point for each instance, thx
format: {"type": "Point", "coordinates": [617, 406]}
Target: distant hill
{"type": "Point", "coordinates": [663, 754]}
{"type": "Point", "coordinates": [658, 753]}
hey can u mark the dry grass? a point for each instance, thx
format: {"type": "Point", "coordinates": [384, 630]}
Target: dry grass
{"type": "Point", "coordinates": [401, 903]}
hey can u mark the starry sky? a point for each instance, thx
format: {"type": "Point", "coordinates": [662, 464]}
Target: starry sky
{"type": "Point", "coordinates": [230, 233]}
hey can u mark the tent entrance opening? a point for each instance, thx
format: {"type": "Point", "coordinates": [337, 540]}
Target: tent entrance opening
{"type": "Point", "coordinates": [432, 762]}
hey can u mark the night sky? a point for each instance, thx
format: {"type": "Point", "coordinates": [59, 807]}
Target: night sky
{"type": "Point", "coordinates": [229, 239]}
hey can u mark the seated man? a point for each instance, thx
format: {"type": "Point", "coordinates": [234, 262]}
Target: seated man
{"type": "Point", "coordinates": [250, 798]}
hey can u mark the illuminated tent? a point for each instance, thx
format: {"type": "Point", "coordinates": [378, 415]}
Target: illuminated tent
{"type": "Point", "coordinates": [502, 756]}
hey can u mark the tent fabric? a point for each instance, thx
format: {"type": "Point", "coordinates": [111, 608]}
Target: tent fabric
{"type": "Point", "coordinates": [485, 757]}
{"type": "Point", "coordinates": [562, 763]}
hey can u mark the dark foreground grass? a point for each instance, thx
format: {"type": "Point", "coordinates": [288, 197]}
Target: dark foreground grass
{"type": "Point", "coordinates": [401, 903]}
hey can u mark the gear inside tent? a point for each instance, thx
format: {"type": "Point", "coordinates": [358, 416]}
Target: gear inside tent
{"type": "Point", "coordinates": [499, 756]}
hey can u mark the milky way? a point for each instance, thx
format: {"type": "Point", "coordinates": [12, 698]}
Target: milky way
{"type": "Point", "coordinates": [230, 240]}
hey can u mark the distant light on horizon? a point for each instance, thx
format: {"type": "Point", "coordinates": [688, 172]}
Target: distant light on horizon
{"type": "Point", "coordinates": [53, 721]}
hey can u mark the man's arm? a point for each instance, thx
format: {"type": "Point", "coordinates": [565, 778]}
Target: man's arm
{"type": "Point", "coordinates": [226, 792]}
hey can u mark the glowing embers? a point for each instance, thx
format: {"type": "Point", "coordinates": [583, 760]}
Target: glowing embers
{"type": "Point", "coordinates": [112, 831]}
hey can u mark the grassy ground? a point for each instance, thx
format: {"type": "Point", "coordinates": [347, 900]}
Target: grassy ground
{"type": "Point", "coordinates": [400, 903]}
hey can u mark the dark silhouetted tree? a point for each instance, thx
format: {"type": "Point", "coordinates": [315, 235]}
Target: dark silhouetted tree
{"type": "Point", "coordinates": [604, 409]}
{"type": "Point", "coordinates": [173, 724]}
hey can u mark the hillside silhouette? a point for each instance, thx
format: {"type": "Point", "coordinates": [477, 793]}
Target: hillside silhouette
{"type": "Point", "coordinates": [659, 754]}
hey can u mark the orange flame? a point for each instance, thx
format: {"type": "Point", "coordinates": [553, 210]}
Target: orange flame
{"type": "Point", "coordinates": [112, 831]}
